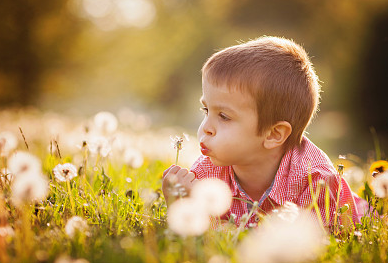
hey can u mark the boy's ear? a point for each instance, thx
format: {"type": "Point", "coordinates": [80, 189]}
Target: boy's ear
{"type": "Point", "coordinates": [277, 135]}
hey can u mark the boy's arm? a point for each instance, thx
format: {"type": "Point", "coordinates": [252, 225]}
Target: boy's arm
{"type": "Point", "coordinates": [176, 175]}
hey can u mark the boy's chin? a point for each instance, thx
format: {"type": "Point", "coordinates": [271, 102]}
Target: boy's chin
{"type": "Point", "coordinates": [217, 162]}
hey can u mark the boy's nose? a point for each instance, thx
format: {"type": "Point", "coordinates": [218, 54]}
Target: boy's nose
{"type": "Point", "coordinates": [207, 128]}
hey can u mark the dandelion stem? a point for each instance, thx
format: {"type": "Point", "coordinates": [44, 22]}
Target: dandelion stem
{"type": "Point", "coordinates": [177, 155]}
{"type": "Point", "coordinates": [340, 172]}
{"type": "Point", "coordinates": [24, 138]}
{"type": "Point", "coordinates": [70, 196]}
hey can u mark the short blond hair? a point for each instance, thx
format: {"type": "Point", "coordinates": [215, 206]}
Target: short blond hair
{"type": "Point", "coordinates": [278, 73]}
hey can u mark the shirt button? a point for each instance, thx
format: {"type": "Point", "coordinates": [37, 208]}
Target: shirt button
{"type": "Point", "coordinates": [257, 218]}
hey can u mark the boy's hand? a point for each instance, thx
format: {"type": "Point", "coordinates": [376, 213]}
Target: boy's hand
{"type": "Point", "coordinates": [176, 175]}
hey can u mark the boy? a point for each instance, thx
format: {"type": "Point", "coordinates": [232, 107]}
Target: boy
{"type": "Point", "coordinates": [258, 98]}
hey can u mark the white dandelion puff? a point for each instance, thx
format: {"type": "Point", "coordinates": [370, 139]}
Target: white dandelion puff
{"type": "Point", "coordinates": [133, 158]}
{"type": "Point", "coordinates": [64, 172]}
{"type": "Point", "coordinates": [75, 225]}
{"type": "Point", "coordinates": [99, 145]}
{"type": "Point", "coordinates": [380, 185]}
{"type": "Point", "coordinates": [289, 212]}
{"type": "Point", "coordinates": [105, 122]}
{"type": "Point", "coordinates": [187, 218]}
{"type": "Point", "coordinates": [277, 240]}
{"type": "Point", "coordinates": [8, 143]}
{"type": "Point", "coordinates": [213, 194]}
{"type": "Point", "coordinates": [29, 188]}
{"type": "Point", "coordinates": [24, 163]}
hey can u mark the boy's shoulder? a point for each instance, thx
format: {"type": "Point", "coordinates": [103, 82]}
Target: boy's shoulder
{"type": "Point", "coordinates": [307, 158]}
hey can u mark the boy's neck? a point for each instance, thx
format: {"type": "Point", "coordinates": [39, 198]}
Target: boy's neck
{"type": "Point", "coordinates": [257, 177]}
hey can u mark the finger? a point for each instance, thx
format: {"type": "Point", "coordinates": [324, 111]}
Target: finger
{"type": "Point", "coordinates": [182, 173]}
{"type": "Point", "coordinates": [167, 170]}
{"type": "Point", "coordinates": [190, 177]}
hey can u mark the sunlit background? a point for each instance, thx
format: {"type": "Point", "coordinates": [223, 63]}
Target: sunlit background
{"type": "Point", "coordinates": [141, 59]}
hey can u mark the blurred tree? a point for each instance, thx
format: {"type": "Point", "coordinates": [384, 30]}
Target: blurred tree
{"type": "Point", "coordinates": [34, 36]}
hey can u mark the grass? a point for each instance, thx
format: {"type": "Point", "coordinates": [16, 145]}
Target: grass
{"type": "Point", "coordinates": [126, 214]}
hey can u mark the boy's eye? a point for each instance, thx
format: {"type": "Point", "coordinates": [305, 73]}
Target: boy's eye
{"type": "Point", "coordinates": [204, 110]}
{"type": "Point", "coordinates": [224, 116]}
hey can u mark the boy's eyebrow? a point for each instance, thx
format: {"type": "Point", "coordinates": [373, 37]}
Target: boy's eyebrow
{"type": "Point", "coordinates": [219, 107]}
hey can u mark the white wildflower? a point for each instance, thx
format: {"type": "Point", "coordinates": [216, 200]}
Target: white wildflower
{"type": "Point", "coordinates": [99, 145]}
{"type": "Point", "coordinates": [187, 218]}
{"type": "Point", "coordinates": [105, 122]}
{"type": "Point", "coordinates": [29, 188]}
{"type": "Point", "coordinates": [67, 259]}
{"type": "Point", "coordinates": [64, 172]}
{"type": "Point", "coordinates": [24, 163]}
{"type": "Point", "coordinates": [8, 143]}
{"type": "Point", "coordinates": [380, 185]}
{"type": "Point", "coordinates": [213, 194]}
{"type": "Point", "coordinates": [279, 241]}
{"type": "Point", "coordinates": [133, 157]}
{"type": "Point", "coordinates": [76, 225]}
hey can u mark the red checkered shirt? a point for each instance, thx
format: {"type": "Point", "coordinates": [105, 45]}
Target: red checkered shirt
{"type": "Point", "coordinates": [290, 184]}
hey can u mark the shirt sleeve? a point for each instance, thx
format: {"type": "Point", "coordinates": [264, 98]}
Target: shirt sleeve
{"type": "Point", "coordinates": [199, 167]}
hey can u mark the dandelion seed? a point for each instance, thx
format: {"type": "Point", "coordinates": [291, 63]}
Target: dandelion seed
{"type": "Point", "coordinates": [354, 175]}
{"type": "Point", "coordinates": [380, 185]}
{"type": "Point", "coordinates": [8, 143]}
{"type": "Point", "coordinates": [177, 143]}
{"type": "Point", "coordinates": [28, 189]}
{"type": "Point", "coordinates": [64, 172]}
{"type": "Point", "coordinates": [213, 194]}
{"type": "Point", "coordinates": [148, 196]}
{"type": "Point", "coordinates": [24, 163]}
{"type": "Point", "coordinates": [289, 212]}
{"type": "Point", "coordinates": [99, 145]}
{"type": "Point", "coordinates": [75, 225]}
{"type": "Point", "coordinates": [105, 122]}
{"type": "Point", "coordinates": [187, 218]}
{"type": "Point", "coordinates": [133, 158]}
{"type": "Point", "coordinates": [278, 241]}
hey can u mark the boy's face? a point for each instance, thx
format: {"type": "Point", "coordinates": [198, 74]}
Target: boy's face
{"type": "Point", "coordinates": [228, 132]}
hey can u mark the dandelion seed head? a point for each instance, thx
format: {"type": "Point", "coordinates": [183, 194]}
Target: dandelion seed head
{"type": "Point", "coordinates": [289, 212]}
{"type": "Point", "coordinates": [133, 158]}
{"type": "Point", "coordinates": [354, 175]}
{"type": "Point", "coordinates": [8, 143]}
{"type": "Point", "coordinates": [105, 122]}
{"type": "Point", "coordinates": [213, 194]}
{"type": "Point", "coordinates": [64, 172]}
{"type": "Point", "coordinates": [380, 185]}
{"type": "Point", "coordinates": [75, 225]}
{"type": "Point", "coordinates": [99, 145]}
{"type": "Point", "coordinates": [187, 218]}
{"type": "Point", "coordinates": [278, 241]}
{"type": "Point", "coordinates": [21, 163]}
{"type": "Point", "coordinates": [148, 196]}
{"type": "Point", "coordinates": [29, 188]}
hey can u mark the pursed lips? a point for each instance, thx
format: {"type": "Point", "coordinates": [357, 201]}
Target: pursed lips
{"type": "Point", "coordinates": [204, 149]}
